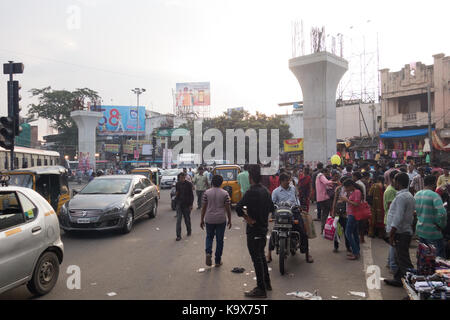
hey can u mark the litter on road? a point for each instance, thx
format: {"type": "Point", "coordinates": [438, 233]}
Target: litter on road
{"type": "Point", "coordinates": [334, 297]}
{"type": "Point", "coordinates": [111, 294]}
{"type": "Point", "coordinates": [305, 295]}
{"type": "Point", "coordinates": [157, 229]}
{"type": "Point", "coordinates": [358, 294]}
{"type": "Point", "coordinates": [201, 270]}
{"type": "Point", "coordinates": [238, 270]}
{"type": "Point", "coordinates": [237, 228]}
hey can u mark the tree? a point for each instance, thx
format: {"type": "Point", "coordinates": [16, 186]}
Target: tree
{"type": "Point", "coordinates": [239, 119]}
{"type": "Point", "coordinates": [56, 106]}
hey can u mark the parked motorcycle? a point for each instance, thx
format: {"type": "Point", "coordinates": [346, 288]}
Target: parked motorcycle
{"type": "Point", "coordinates": [173, 194]}
{"type": "Point", "coordinates": [284, 238]}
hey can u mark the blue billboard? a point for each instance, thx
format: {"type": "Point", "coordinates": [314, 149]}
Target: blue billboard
{"type": "Point", "coordinates": [122, 120]}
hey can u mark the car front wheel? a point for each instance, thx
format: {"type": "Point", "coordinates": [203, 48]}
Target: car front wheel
{"type": "Point", "coordinates": [128, 224]}
{"type": "Point", "coordinates": [45, 274]}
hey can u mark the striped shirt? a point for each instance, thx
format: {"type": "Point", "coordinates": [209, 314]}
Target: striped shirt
{"type": "Point", "coordinates": [431, 215]}
{"type": "Point", "coordinates": [417, 183]}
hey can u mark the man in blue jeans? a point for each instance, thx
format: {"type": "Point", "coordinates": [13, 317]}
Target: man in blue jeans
{"type": "Point", "coordinates": [216, 209]}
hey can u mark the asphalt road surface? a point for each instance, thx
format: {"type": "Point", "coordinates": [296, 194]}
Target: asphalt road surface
{"type": "Point", "coordinates": [149, 264]}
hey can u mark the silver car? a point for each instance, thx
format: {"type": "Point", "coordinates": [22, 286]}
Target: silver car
{"type": "Point", "coordinates": [168, 177]}
{"type": "Point", "coordinates": [31, 250]}
{"type": "Point", "coordinates": [110, 203]}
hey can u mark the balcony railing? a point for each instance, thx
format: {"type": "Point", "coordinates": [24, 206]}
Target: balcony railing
{"type": "Point", "coordinates": [410, 117]}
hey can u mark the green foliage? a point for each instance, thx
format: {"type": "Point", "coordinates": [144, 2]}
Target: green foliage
{"type": "Point", "coordinates": [56, 106]}
{"type": "Point", "coordinates": [239, 119]}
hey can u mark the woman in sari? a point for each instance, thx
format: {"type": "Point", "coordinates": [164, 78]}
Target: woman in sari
{"type": "Point", "coordinates": [304, 187]}
{"type": "Point", "coordinates": [375, 199]}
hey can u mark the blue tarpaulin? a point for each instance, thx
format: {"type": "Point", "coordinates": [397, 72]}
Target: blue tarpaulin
{"type": "Point", "coordinates": [404, 133]}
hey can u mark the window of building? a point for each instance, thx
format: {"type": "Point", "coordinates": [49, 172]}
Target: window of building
{"type": "Point", "coordinates": [39, 162]}
{"type": "Point", "coordinates": [45, 162]}
{"type": "Point", "coordinates": [32, 162]}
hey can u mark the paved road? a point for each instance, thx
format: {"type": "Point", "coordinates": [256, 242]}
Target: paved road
{"type": "Point", "coordinates": [149, 264]}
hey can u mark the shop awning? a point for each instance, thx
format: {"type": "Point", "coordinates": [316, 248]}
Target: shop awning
{"type": "Point", "coordinates": [404, 133]}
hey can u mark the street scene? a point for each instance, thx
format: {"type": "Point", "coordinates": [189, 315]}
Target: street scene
{"type": "Point", "coordinates": [218, 150]}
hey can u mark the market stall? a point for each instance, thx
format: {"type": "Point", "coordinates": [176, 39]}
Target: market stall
{"type": "Point", "coordinates": [431, 279]}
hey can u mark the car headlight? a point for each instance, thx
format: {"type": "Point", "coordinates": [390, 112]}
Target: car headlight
{"type": "Point", "coordinates": [114, 210]}
{"type": "Point", "coordinates": [64, 209]}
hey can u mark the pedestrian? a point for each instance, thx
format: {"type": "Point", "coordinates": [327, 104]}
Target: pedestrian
{"type": "Point", "coordinates": [322, 196]}
{"type": "Point", "coordinates": [375, 199]}
{"type": "Point", "coordinates": [216, 211]}
{"type": "Point", "coordinates": [417, 183]}
{"type": "Point", "coordinates": [185, 201]}
{"type": "Point", "coordinates": [339, 209]}
{"type": "Point", "coordinates": [305, 187]}
{"type": "Point", "coordinates": [314, 191]}
{"type": "Point", "coordinates": [443, 179]}
{"type": "Point", "coordinates": [258, 203]}
{"type": "Point", "coordinates": [353, 200]}
{"type": "Point", "coordinates": [201, 184]}
{"type": "Point", "coordinates": [412, 172]}
{"type": "Point", "coordinates": [187, 175]}
{"type": "Point", "coordinates": [274, 181]}
{"type": "Point", "coordinates": [399, 227]}
{"type": "Point", "coordinates": [243, 180]}
{"type": "Point", "coordinates": [391, 168]}
{"type": "Point", "coordinates": [363, 224]}
{"type": "Point", "coordinates": [431, 216]}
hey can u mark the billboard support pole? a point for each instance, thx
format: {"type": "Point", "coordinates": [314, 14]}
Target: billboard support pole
{"type": "Point", "coordinates": [137, 91]}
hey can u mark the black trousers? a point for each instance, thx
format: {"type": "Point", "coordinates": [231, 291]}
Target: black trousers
{"type": "Point", "coordinates": [256, 245]}
{"type": "Point", "coordinates": [402, 257]}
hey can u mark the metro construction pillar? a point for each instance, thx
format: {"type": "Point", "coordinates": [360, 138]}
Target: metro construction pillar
{"type": "Point", "coordinates": [87, 122]}
{"type": "Point", "coordinates": [319, 75]}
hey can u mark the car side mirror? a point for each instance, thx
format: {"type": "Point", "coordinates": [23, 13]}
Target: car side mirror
{"type": "Point", "coordinates": [75, 192]}
{"type": "Point", "coordinates": [137, 191]}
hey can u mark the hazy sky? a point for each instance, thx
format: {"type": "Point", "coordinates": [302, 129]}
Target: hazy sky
{"type": "Point", "coordinates": [241, 46]}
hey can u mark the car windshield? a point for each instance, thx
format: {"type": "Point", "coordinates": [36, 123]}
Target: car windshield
{"type": "Point", "coordinates": [107, 186]}
{"type": "Point", "coordinates": [21, 180]}
{"type": "Point", "coordinates": [228, 174]}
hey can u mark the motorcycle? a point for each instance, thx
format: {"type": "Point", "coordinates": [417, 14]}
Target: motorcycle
{"type": "Point", "coordinates": [173, 194]}
{"type": "Point", "coordinates": [284, 238]}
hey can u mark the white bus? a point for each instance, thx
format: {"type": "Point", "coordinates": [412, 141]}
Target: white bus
{"type": "Point", "coordinates": [28, 157]}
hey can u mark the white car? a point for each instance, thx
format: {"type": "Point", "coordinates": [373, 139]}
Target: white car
{"type": "Point", "coordinates": [31, 249]}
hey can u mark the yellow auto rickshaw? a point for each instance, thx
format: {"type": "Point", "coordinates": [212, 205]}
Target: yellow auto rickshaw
{"type": "Point", "coordinates": [152, 174]}
{"type": "Point", "coordinates": [51, 182]}
{"type": "Point", "coordinates": [229, 174]}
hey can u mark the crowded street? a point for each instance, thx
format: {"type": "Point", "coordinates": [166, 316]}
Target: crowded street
{"type": "Point", "coordinates": [149, 264]}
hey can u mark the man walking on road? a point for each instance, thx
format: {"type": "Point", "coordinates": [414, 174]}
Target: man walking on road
{"type": "Point", "coordinates": [431, 216]}
{"type": "Point", "coordinates": [216, 211]}
{"type": "Point", "coordinates": [185, 200]}
{"type": "Point", "coordinates": [259, 204]}
{"type": "Point", "coordinates": [243, 180]}
{"type": "Point", "coordinates": [201, 184]}
{"type": "Point", "coordinates": [399, 227]}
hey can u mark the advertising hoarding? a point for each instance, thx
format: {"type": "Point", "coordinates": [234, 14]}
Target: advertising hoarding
{"type": "Point", "coordinates": [122, 120]}
{"type": "Point", "coordinates": [293, 145]}
{"type": "Point", "coordinates": [192, 94]}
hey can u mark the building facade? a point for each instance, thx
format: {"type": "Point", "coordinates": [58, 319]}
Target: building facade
{"type": "Point", "coordinates": [404, 102]}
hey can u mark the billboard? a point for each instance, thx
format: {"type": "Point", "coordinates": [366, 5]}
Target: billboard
{"type": "Point", "coordinates": [192, 94]}
{"type": "Point", "coordinates": [293, 145]}
{"type": "Point", "coordinates": [121, 120]}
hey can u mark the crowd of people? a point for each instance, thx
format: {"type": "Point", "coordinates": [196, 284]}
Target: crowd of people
{"type": "Point", "coordinates": [405, 203]}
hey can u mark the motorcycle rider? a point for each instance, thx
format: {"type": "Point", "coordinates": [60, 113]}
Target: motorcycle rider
{"type": "Point", "coordinates": [287, 193]}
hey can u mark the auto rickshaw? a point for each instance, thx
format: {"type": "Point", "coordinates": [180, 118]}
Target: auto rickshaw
{"type": "Point", "coordinates": [152, 174]}
{"type": "Point", "coordinates": [51, 182]}
{"type": "Point", "coordinates": [229, 174]}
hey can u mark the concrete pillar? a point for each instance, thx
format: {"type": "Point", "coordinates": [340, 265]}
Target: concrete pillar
{"type": "Point", "coordinates": [319, 75]}
{"type": "Point", "coordinates": [87, 122]}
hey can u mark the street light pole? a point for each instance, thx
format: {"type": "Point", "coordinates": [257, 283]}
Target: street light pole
{"type": "Point", "coordinates": [137, 91]}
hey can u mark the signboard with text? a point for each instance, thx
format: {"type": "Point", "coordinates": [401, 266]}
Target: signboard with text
{"type": "Point", "coordinates": [121, 120]}
{"type": "Point", "coordinates": [293, 145]}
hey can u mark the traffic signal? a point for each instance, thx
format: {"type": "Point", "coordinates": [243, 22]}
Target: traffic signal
{"type": "Point", "coordinates": [14, 110]}
{"type": "Point", "coordinates": [7, 132]}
